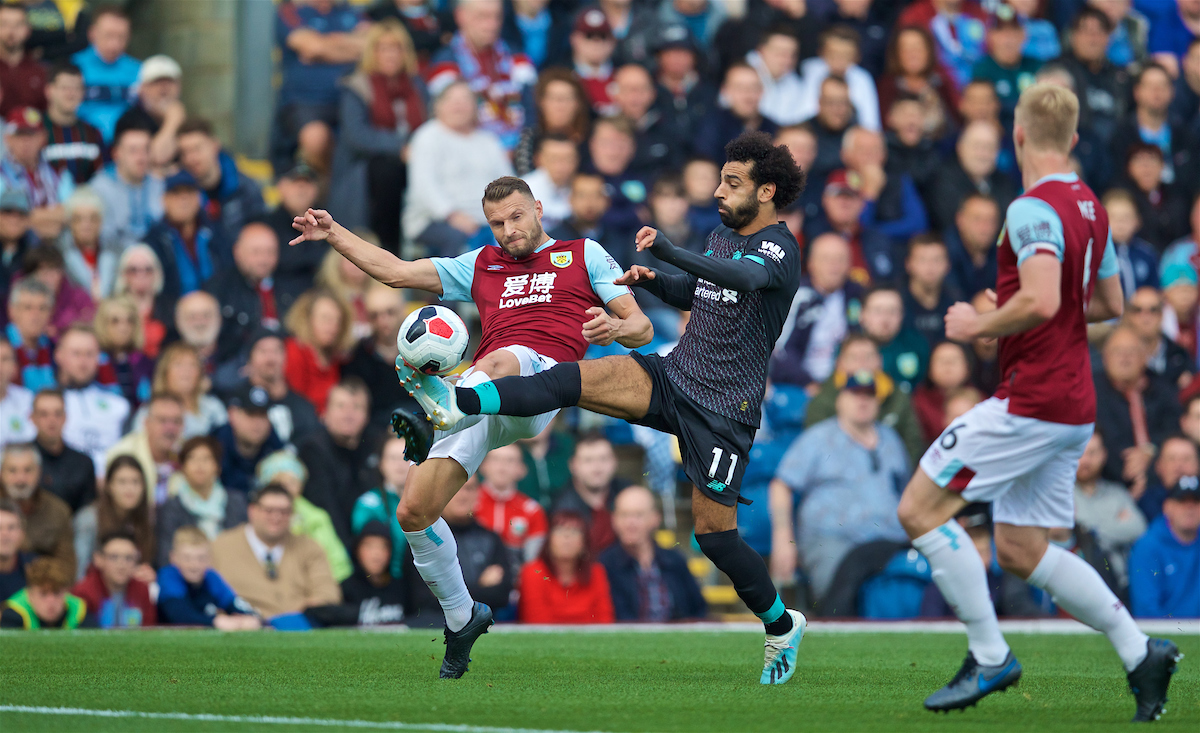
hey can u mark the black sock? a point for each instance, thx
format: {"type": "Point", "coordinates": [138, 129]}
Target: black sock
{"type": "Point", "coordinates": [732, 556]}
{"type": "Point", "coordinates": [558, 386]}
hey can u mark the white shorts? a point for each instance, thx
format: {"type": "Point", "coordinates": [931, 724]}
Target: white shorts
{"type": "Point", "coordinates": [468, 442]}
{"type": "Point", "coordinates": [1024, 466]}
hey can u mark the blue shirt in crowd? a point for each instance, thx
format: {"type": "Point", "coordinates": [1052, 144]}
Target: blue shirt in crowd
{"type": "Point", "coordinates": [311, 83]}
{"type": "Point", "coordinates": [108, 89]}
{"type": "Point", "coordinates": [1164, 574]}
{"type": "Point", "coordinates": [180, 602]}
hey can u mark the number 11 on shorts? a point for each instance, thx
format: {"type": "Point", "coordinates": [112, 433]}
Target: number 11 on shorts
{"type": "Point", "coordinates": [712, 470]}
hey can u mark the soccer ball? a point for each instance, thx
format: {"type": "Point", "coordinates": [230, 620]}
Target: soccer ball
{"type": "Point", "coordinates": [433, 340]}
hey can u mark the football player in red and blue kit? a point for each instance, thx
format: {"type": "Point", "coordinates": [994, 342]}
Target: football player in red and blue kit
{"type": "Point", "coordinates": [708, 391]}
{"type": "Point", "coordinates": [1057, 271]}
{"type": "Point", "coordinates": [541, 302]}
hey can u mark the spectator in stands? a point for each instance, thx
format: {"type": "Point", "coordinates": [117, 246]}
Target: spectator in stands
{"type": "Point", "coordinates": [1166, 360]}
{"type": "Point", "coordinates": [94, 414]}
{"type": "Point", "coordinates": [29, 306]}
{"type": "Point", "coordinates": [74, 148]}
{"type": "Point", "coordinates": [123, 506]}
{"type": "Point", "coordinates": [701, 177]}
{"type": "Point", "coordinates": [801, 142]}
{"type": "Point", "coordinates": [16, 402]}
{"type": "Point", "coordinates": [658, 145]}
{"type": "Point", "coordinates": [872, 22]}
{"type": "Point", "coordinates": [1148, 122]}
{"type": "Point", "coordinates": [776, 58]}
{"type": "Point", "coordinates": [23, 167]}
{"type": "Point", "coordinates": [825, 308]}
{"type": "Point", "coordinates": [154, 444]}
{"type": "Point", "coordinates": [979, 103]}
{"type": "Point", "coordinates": [66, 473]}
{"type": "Point", "coordinates": [1133, 410]}
{"type": "Point", "coordinates": [231, 198]}
{"type": "Point", "coordinates": [186, 242]}
{"type": "Point", "coordinates": [1178, 456]}
{"type": "Point", "coordinates": [904, 351]}
{"type": "Point", "coordinates": [373, 592]}
{"type": "Point", "coordinates": [1189, 422]}
{"type": "Point", "coordinates": [320, 324]}
{"type": "Point", "coordinates": [548, 459]}
{"type": "Point", "coordinates": [44, 602]}
{"type": "Point", "coordinates": [669, 213]}
{"type": "Point", "coordinates": [89, 266]}
{"type": "Point", "coordinates": [741, 93]}
{"type": "Point", "coordinates": [556, 162]}
{"type": "Point", "coordinates": [247, 292]}
{"type": "Point", "coordinates": [180, 373]}
{"type": "Point", "coordinates": [481, 554]}
{"type": "Point", "coordinates": [611, 149]}
{"type": "Point", "coordinates": [972, 244]}
{"type": "Point", "coordinates": [842, 208]}
{"type": "Point", "coordinates": [564, 585]}
{"type": "Point", "coordinates": [380, 106]}
{"type": "Point", "coordinates": [1178, 278]}
{"type": "Point", "coordinates": [196, 496]}
{"type": "Point", "coordinates": [517, 519]}
{"type": "Point", "coordinates": [338, 458]}
{"type": "Point", "coordinates": [450, 159]}
{"type": "Point", "coordinates": [374, 358]}
{"type": "Point", "coordinates": [592, 47]}
{"type": "Point", "coordinates": [274, 570]}
{"type": "Point", "coordinates": [647, 582]}
{"type": "Point", "coordinates": [191, 593]}
{"type": "Point", "coordinates": [531, 28]}
{"type": "Point", "coordinates": [846, 504]}
{"type": "Point", "coordinates": [123, 363]}
{"type": "Point", "coordinates": [1106, 509]}
{"type": "Point", "coordinates": [859, 353]}
{"type": "Point", "coordinates": [1166, 560]}
{"type": "Point", "coordinates": [913, 71]}
{"type": "Point", "coordinates": [47, 518]}
{"type": "Point", "coordinates": [839, 56]}
{"type": "Point", "coordinates": [419, 17]}
{"type": "Point", "coordinates": [593, 487]}
{"type": "Point", "coordinates": [1041, 37]}
{"type": "Point", "coordinates": [1138, 260]}
{"type": "Point", "coordinates": [589, 201]}
{"type": "Point", "coordinates": [319, 41]}
{"type": "Point", "coordinates": [1187, 84]}
{"type": "Point", "coordinates": [687, 94]}
{"type": "Point", "coordinates": [308, 520]}
{"type": "Point", "coordinates": [635, 29]}
{"type": "Point", "coordinates": [958, 28]}
{"type": "Point", "coordinates": [109, 74]}
{"type": "Point", "coordinates": [973, 171]}
{"type": "Point", "coordinates": [13, 560]}
{"type": "Point", "coordinates": [893, 203]}
{"type": "Point", "coordinates": [502, 80]}
{"type": "Point", "coordinates": [132, 196]}
{"type": "Point", "coordinates": [949, 370]}
{"type": "Point", "coordinates": [1161, 208]}
{"type": "Point", "coordinates": [299, 191]}
{"type": "Point", "coordinates": [158, 108]}
{"type": "Point", "coordinates": [379, 503]}
{"type": "Point", "coordinates": [292, 416]}
{"type": "Point", "coordinates": [16, 238]}
{"type": "Point", "coordinates": [1091, 151]}
{"type": "Point", "coordinates": [139, 276]}
{"type": "Point", "coordinates": [342, 277]}
{"type": "Point", "coordinates": [1008, 69]}
{"type": "Point", "coordinates": [562, 112]}
{"type": "Point", "coordinates": [246, 439]}
{"type": "Point", "coordinates": [1103, 87]}
{"type": "Point", "coordinates": [834, 116]}
{"type": "Point", "coordinates": [928, 295]}
{"type": "Point", "coordinates": [72, 305]}
{"type": "Point", "coordinates": [22, 76]}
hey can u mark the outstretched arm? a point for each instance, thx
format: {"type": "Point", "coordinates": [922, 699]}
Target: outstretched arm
{"type": "Point", "coordinates": [743, 275]}
{"type": "Point", "coordinates": [317, 225]}
{"type": "Point", "coordinates": [674, 290]}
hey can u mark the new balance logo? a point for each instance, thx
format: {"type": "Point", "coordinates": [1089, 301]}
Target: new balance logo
{"type": "Point", "coordinates": [715, 485]}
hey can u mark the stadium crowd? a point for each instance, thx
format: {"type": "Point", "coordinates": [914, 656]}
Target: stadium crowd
{"type": "Point", "coordinates": [194, 415]}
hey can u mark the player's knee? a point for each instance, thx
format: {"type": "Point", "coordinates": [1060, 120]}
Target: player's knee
{"type": "Point", "coordinates": [915, 518]}
{"type": "Point", "coordinates": [414, 517]}
{"type": "Point", "coordinates": [1014, 556]}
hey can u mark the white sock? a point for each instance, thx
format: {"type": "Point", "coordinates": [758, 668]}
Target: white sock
{"type": "Point", "coordinates": [961, 577]}
{"type": "Point", "coordinates": [435, 553]}
{"type": "Point", "coordinates": [474, 379]}
{"type": "Point", "coordinates": [1080, 591]}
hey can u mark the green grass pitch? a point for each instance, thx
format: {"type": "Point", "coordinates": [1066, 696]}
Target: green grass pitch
{"type": "Point", "coordinates": [625, 681]}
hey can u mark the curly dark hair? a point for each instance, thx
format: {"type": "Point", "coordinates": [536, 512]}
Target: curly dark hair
{"type": "Point", "coordinates": [772, 164]}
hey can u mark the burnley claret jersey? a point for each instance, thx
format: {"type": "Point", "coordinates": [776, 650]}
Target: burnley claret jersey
{"type": "Point", "coordinates": [540, 301]}
{"type": "Point", "coordinates": [1046, 372]}
{"type": "Point", "coordinates": [721, 359]}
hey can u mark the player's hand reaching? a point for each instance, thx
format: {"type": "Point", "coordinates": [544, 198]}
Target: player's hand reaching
{"type": "Point", "coordinates": [636, 275]}
{"type": "Point", "coordinates": [314, 225]}
{"type": "Point", "coordinates": [962, 323]}
{"type": "Point", "coordinates": [603, 329]}
{"type": "Point", "coordinates": [645, 238]}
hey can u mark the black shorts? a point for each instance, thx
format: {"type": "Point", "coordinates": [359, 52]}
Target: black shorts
{"type": "Point", "coordinates": [715, 448]}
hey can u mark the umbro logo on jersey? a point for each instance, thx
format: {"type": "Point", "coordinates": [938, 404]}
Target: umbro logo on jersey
{"type": "Point", "coordinates": [772, 250]}
{"type": "Point", "coordinates": [494, 268]}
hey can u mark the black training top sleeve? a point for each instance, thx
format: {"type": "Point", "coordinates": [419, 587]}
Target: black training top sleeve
{"type": "Point", "coordinates": [674, 290]}
{"type": "Point", "coordinates": [743, 275]}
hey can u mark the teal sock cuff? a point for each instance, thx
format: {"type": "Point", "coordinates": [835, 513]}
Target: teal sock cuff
{"type": "Point", "coordinates": [773, 614]}
{"type": "Point", "coordinates": [489, 398]}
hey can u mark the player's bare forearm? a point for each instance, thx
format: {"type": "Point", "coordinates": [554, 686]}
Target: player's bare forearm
{"type": "Point", "coordinates": [635, 331]}
{"type": "Point", "coordinates": [1035, 302]}
{"type": "Point", "coordinates": [387, 268]}
{"type": "Point", "coordinates": [627, 325]}
{"type": "Point", "coordinates": [1108, 301]}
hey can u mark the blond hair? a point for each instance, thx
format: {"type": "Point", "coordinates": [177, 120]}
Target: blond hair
{"type": "Point", "coordinates": [104, 311]}
{"type": "Point", "coordinates": [298, 320]}
{"type": "Point", "coordinates": [390, 29]}
{"type": "Point", "coordinates": [1049, 114]}
{"type": "Point", "coordinates": [189, 537]}
{"type": "Point", "coordinates": [169, 356]}
{"type": "Point", "coordinates": [329, 275]}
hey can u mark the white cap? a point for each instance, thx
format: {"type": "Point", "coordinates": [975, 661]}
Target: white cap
{"type": "Point", "coordinates": [159, 67]}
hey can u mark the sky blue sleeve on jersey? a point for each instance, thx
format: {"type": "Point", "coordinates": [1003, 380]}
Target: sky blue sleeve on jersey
{"type": "Point", "coordinates": [603, 270]}
{"type": "Point", "coordinates": [457, 274]}
{"type": "Point", "coordinates": [1033, 226]}
{"type": "Point", "coordinates": [1108, 263]}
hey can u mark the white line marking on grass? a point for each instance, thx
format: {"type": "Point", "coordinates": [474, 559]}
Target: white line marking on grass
{"type": "Point", "coordinates": [271, 720]}
{"type": "Point", "coordinates": [818, 626]}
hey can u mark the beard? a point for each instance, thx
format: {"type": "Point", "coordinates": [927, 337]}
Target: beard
{"type": "Point", "coordinates": [741, 216]}
{"type": "Point", "coordinates": [522, 248]}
